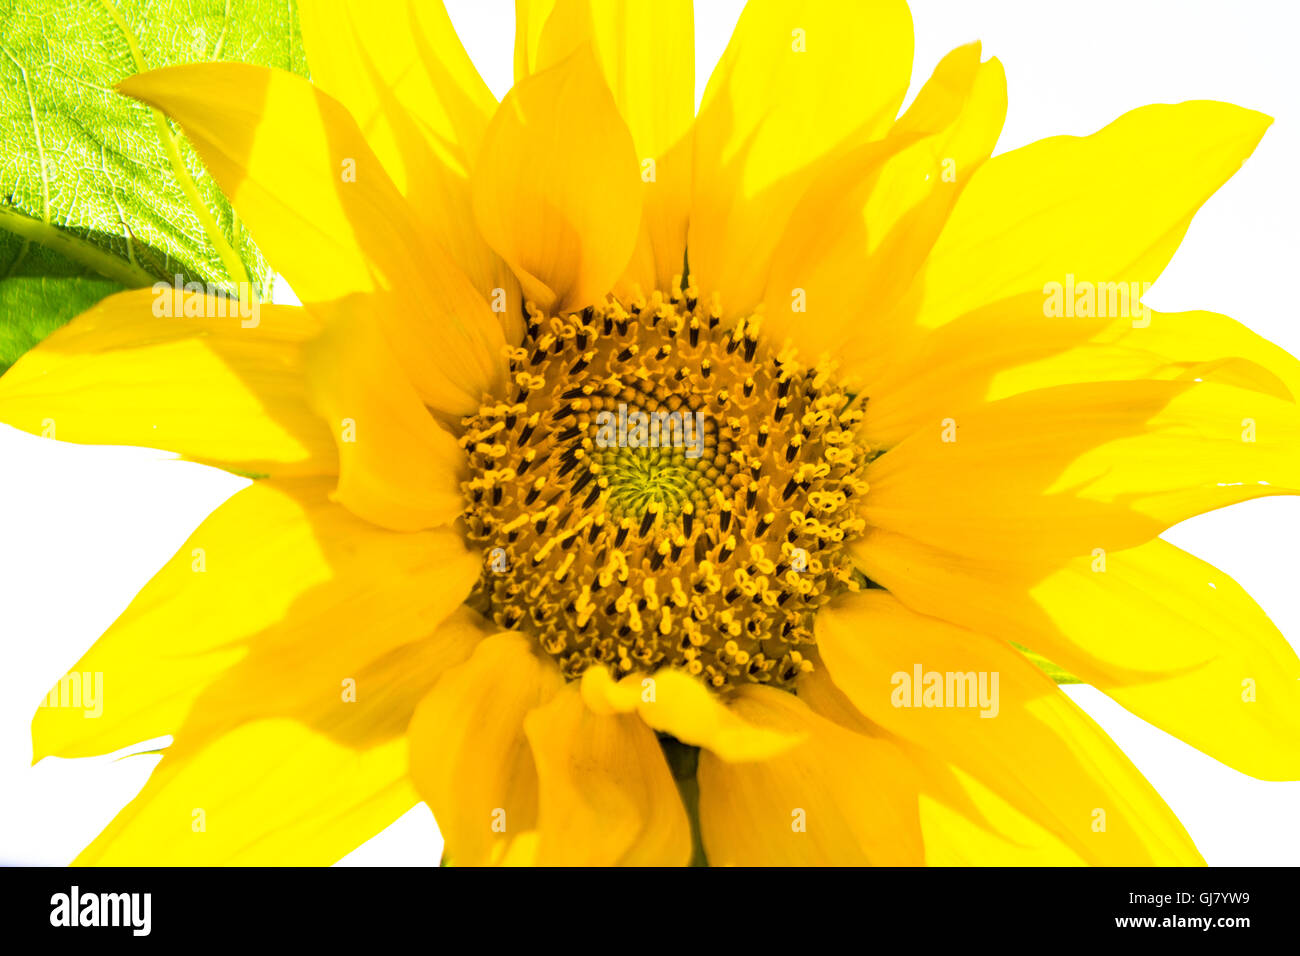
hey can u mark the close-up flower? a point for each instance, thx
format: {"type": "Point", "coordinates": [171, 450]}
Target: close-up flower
{"type": "Point", "coordinates": [644, 485]}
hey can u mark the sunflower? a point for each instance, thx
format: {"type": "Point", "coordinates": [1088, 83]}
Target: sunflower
{"type": "Point", "coordinates": [642, 487]}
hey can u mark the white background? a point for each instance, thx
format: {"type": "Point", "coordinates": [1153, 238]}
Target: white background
{"type": "Point", "coordinates": [83, 528]}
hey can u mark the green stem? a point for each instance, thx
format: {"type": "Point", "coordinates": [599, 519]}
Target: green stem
{"type": "Point", "coordinates": [684, 761]}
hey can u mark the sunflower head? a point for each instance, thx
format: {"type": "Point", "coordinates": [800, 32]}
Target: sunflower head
{"type": "Point", "coordinates": [662, 488]}
{"type": "Point", "coordinates": [626, 463]}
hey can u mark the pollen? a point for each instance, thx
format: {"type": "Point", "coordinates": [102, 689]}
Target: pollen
{"type": "Point", "coordinates": [663, 488]}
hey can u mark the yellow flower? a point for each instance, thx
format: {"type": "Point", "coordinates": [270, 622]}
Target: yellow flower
{"type": "Point", "coordinates": [608, 565]}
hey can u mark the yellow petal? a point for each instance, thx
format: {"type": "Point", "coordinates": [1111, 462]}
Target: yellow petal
{"type": "Point", "coordinates": [838, 798]}
{"type": "Point", "coordinates": [606, 796]}
{"type": "Point", "coordinates": [1035, 748]}
{"type": "Point", "coordinates": [674, 703]}
{"type": "Point", "coordinates": [682, 706]}
{"type": "Point", "coordinates": [1182, 345]}
{"type": "Point", "coordinates": [402, 73]}
{"type": "Point", "coordinates": [268, 793]}
{"type": "Point", "coordinates": [314, 195]}
{"type": "Point", "coordinates": [210, 389]}
{"type": "Point", "coordinates": [646, 53]}
{"type": "Point", "coordinates": [398, 468]}
{"type": "Point", "coordinates": [274, 771]}
{"type": "Point", "coordinates": [530, 20]}
{"type": "Point", "coordinates": [799, 82]}
{"type": "Point", "coordinates": [864, 228]}
{"type": "Point", "coordinates": [603, 695]}
{"type": "Point", "coordinates": [469, 758]}
{"type": "Point", "coordinates": [1061, 471]}
{"type": "Point", "coordinates": [963, 823]}
{"type": "Point", "coordinates": [984, 356]}
{"type": "Point", "coordinates": [278, 597]}
{"type": "Point", "coordinates": [556, 191]}
{"type": "Point", "coordinates": [1171, 638]}
{"type": "Point", "coordinates": [967, 824]}
{"type": "Point", "coordinates": [1110, 207]}
{"type": "Point", "coordinates": [522, 850]}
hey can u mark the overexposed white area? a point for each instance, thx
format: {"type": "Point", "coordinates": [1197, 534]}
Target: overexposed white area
{"type": "Point", "coordinates": [83, 528]}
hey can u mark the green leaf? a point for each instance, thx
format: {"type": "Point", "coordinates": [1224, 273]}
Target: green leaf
{"type": "Point", "coordinates": [99, 192]}
{"type": "Point", "coordinates": [39, 291]}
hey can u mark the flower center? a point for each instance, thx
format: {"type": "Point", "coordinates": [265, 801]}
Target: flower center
{"type": "Point", "coordinates": [663, 489]}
